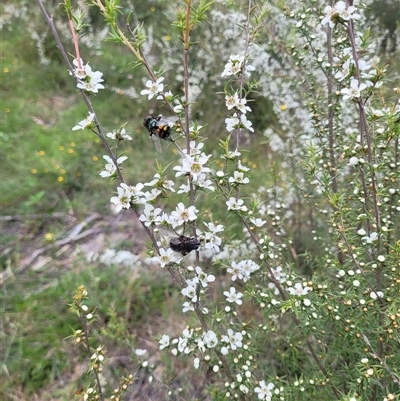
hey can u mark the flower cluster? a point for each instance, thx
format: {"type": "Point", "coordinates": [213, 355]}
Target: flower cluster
{"type": "Point", "coordinates": [192, 341]}
{"type": "Point", "coordinates": [88, 80]}
{"type": "Point", "coordinates": [194, 167]}
{"type": "Point", "coordinates": [195, 287]}
{"type": "Point", "coordinates": [236, 66]}
{"type": "Point", "coordinates": [236, 122]}
{"type": "Point", "coordinates": [133, 195]}
{"type": "Point", "coordinates": [242, 270]}
{"type": "Point", "coordinates": [210, 238]}
{"type": "Point", "coordinates": [346, 66]}
{"type": "Point", "coordinates": [127, 195]}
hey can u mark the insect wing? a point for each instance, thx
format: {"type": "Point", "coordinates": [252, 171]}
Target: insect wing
{"type": "Point", "coordinates": [157, 142]}
{"type": "Point", "coordinates": [171, 120]}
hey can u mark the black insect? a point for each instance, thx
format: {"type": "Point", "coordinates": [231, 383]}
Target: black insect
{"type": "Point", "coordinates": [184, 245]}
{"type": "Point", "coordinates": [160, 128]}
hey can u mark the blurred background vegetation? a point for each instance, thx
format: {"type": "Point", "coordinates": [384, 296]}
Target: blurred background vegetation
{"type": "Point", "coordinates": [47, 168]}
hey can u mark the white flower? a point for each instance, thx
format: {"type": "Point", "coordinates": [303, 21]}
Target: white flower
{"type": "Point", "coordinates": [233, 296]}
{"type": "Point", "coordinates": [122, 201]}
{"type": "Point", "coordinates": [364, 67]}
{"type": "Point", "coordinates": [354, 91]}
{"type": "Point", "coordinates": [154, 88]}
{"type": "Point", "coordinates": [329, 12]}
{"type": "Point", "coordinates": [346, 13]}
{"type": "Point", "coordinates": [279, 275]}
{"type": "Point", "coordinates": [166, 257]}
{"type": "Point", "coordinates": [264, 391]}
{"type": "Point", "coordinates": [345, 71]}
{"type": "Point", "coordinates": [211, 240]}
{"type": "Point", "coordinates": [246, 123]}
{"type": "Point", "coordinates": [135, 191]}
{"type": "Point", "coordinates": [200, 344]}
{"type": "Point", "coordinates": [193, 166]}
{"type": "Point", "coordinates": [298, 289]}
{"type": "Point", "coordinates": [140, 352]}
{"type": "Point", "coordinates": [248, 69]}
{"type": "Point", "coordinates": [353, 161]}
{"type": "Point", "coordinates": [375, 295]}
{"type": "Point", "coordinates": [188, 334]}
{"type": "Point", "coordinates": [236, 204]}
{"type": "Point", "coordinates": [87, 123]}
{"type": "Point", "coordinates": [233, 66]}
{"type": "Point", "coordinates": [371, 238]}
{"type": "Point", "coordinates": [202, 182]}
{"type": "Point", "coordinates": [210, 339]}
{"type": "Point", "coordinates": [87, 79]}
{"type": "Point", "coordinates": [258, 222]}
{"type": "Point", "coordinates": [183, 215]}
{"type": "Point", "coordinates": [193, 148]}
{"type": "Point", "coordinates": [232, 123]}
{"type": "Point", "coordinates": [230, 101]}
{"type": "Point", "coordinates": [190, 291]}
{"type": "Point", "coordinates": [184, 189]}
{"type": "Point", "coordinates": [164, 341]}
{"type": "Point", "coordinates": [204, 279]}
{"type": "Point", "coordinates": [339, 10]}
{"type": "Point", "coordinates": [184, 341]}
{"type": "Point", "coordinates": [168, 95]}
{"type": "Point", "coordinates": [110, 168]}
{"type": "Point", "coordinates": [92, 81]}
{"type": "Point", "coordinates": [236, 270]}
{"type": "Point", "coordinates": [151, 195]}
{"type": "Point", "coordinates": [119, 135]}
{"type": "Point", "coordinates": [248, 267]}
{"type": "Point", "coordinates": [161, 182]}
{"type": "Point", "coordinates": [233, 101]}
{"type": "Point", "coordinates": [178, 108]}
{"type": "Point", "coordinates": [154, 182]}
{"type": "Point", "coordinates": [238, 178]}
{"type": "Point", "coordinates": [150, 216]}
{"type": "Point", "coordinates": [187, 306]}
{"type": "Point", "coordinates": [232, 154]}
{"type": "Point", "coordinates": [213, 228]}
{"type": "Point", "coordinates": [79, 71]}
{"type": "Point", "coordinates": [240, 167]}
{"type": "Point", "coordinates": [233, 339]}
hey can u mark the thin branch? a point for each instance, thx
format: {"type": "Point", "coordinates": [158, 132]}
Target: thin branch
{"type": "Point", "coordinates": [100, 134]}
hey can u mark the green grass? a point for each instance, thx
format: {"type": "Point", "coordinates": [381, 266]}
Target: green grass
{"type": "Point", "coordinates": [38, 324]}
